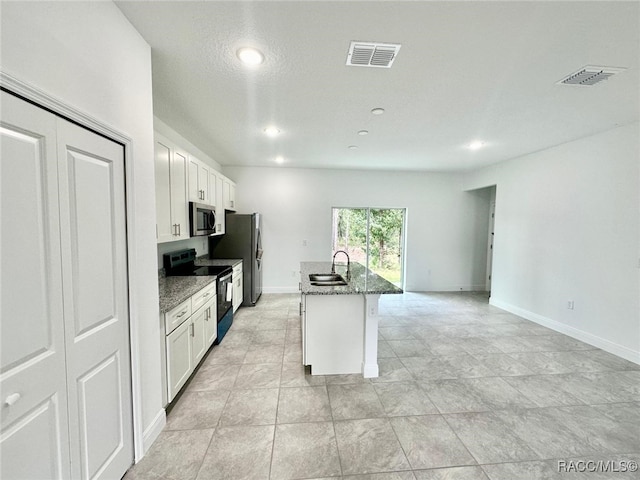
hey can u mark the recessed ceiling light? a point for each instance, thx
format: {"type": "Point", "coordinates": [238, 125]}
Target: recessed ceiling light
{"type": "Point", "coordinates": [279, 159]}
{"type": "Point", "coordinates": [476, 145]}
{"type": "Point", "coordinates": [250, 56]}
{"type": "Point", "coordinates": [272, 131]}
{"type": "Point", "coordinates": [352, 147]}
{"type": "Point", "coordinates": [377, 111]}
{"type": "Point", "coordinates": [363, 132]}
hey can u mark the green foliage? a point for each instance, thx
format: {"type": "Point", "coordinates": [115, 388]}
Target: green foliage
{"type": "Point", "coordinates": [385, 234]}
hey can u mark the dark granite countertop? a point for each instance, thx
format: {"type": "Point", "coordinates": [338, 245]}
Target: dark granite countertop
{"type": "Point", "coordinates": [175, 290]}
{"type": "Point", "coordinates": [363, 280]}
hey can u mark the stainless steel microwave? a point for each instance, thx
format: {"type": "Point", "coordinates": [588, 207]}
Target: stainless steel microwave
{"type": "Point", "coordinates": [202, 219]}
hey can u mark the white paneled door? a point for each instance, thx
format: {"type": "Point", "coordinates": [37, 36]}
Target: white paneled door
{"type": "Point", "coordinates": [65, 367]}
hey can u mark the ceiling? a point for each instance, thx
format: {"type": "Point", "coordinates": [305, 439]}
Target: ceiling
{"type": "Point", "coordinates": [466, 71]}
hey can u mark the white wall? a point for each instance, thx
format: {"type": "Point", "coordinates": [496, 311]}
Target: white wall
{"type": "Point", "coordinates": [568, 228]}
{"type": "Point", "coordinates": [446, 227]}
{"type": "Point", "coordinates": [87, 55]}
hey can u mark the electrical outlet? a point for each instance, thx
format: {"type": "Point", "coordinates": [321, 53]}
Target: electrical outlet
{"type": "Point", "coordinates": [304, 243]}
{"type": "Point", "coordinates": [570, 304]}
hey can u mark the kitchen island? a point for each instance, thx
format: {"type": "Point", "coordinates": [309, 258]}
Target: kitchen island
{"type": "Point", "coordinates": [340, 322]}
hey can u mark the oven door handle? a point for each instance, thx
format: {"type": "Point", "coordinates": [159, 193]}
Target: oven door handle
{"type": "Point", "coordinates": [225, 278]}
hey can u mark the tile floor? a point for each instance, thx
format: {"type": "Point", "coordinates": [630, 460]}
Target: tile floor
{"type": "Point", "coordinates": [466, 391]}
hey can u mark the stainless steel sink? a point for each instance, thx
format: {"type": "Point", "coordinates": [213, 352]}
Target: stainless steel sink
{"type": "Point", "coordinates": [326, 279]}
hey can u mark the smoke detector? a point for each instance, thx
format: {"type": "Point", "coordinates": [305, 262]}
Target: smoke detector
{"type": "Point", "coordinates": [372, 54]}
{"type": "Point", "coordinates": [589, 75]}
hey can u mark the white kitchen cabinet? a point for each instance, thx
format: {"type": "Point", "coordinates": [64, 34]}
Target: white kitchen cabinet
{"type": "Point", "coordinates": [220, 218]}
{"type": "Point", "coordinates": [229, 194]}
{"type": "Point", "coordinates": [179, 358]}
{"type": "Point", "coordinates": [203, 296]}
{"type": "Point", "coordinates": [333, 333]}
{"type": "Point", "coordinates": [213, 187]}
{"type": "Point", "coordinates": [171, 195]}
{"type": "Point", "coordinates": [211, 322]}
{"type": "Point", "coordinates": [199, 182]}
{"type": "Point", "coordinates": [238, 287]}
{"type": "Point", "coordinates": [191, 328]}
{"type": "Point", "coordinates": [198, 335]}
{"type": "Point", "coordinates": [182, 178]}
{"type": "Point", "coordinates": [177, 315]}
{"type": "Point", "coordinates": [303, 324]}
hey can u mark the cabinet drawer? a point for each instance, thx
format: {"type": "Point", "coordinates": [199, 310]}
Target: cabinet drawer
{"type": "Point", "coordinates": [237, 270]}
{"type": "Point", "coordinates": [203, 296]}
{"type": "Point", "coordinates": [177, 315]}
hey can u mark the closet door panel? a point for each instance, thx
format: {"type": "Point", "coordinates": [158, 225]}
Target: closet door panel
{"type": "Point", "coordinates": [93, 241]}
{"type": "Point", "coordinates": [33, 436]}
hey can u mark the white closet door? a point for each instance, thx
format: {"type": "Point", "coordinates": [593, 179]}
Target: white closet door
{"type": "Point", "coordinates": [93, 246]}
{"type": "Point", "coordinates": [34, 436]}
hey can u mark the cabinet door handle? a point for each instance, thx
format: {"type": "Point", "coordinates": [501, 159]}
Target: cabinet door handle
{"type": "Point", "coordinates": [11, 399]}
{"type": "Point", "coordinates": [181, 314]}
{"type": "Point", "coordinates": [175, 229]}
{"type": "Point", "coordinates": [206, 295]}
{"type": "Point", "coordinates": [208, 314]}
{"type": "Point", "coordinates": [193, 330]}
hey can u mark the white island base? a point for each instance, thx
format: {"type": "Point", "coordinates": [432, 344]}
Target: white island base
{"type": "Point", "coordinates": [340, 334]}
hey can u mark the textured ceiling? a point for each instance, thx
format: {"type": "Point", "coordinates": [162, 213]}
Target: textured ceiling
{"type": "Point", "coordinates": [466, 71]}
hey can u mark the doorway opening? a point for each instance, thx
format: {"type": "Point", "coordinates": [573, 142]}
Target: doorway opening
{"type": "Point", "coordinates": [373, 237]}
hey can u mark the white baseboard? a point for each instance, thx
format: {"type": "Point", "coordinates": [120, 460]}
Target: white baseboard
{"type": "Point", "coordinates": [446, 288]}
{"type": "Point", "coordinates": [591, 339]}
{"type": "Point", "coordinates": [152, 431]}
{"type": "Point", "coordinates": [370, 370]}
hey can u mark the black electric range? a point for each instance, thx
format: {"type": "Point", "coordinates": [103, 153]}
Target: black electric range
{"type": "Point", "coordinates": [200, 270]}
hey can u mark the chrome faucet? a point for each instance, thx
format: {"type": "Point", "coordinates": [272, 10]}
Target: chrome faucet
{"type": "Point", "coordinates": [333, 264]}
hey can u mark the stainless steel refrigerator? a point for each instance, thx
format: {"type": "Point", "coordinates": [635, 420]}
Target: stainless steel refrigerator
{"type": "Point", "coordinates": [242, 240]}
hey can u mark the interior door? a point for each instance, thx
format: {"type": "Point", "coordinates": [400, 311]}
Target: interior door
{"type": "Point", "coordinates": [34, 437]}
{"type": "Point", "coordinates": [94, 266]}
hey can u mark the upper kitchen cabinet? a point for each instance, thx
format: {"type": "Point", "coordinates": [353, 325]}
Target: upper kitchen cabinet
{"type": "Point", "coordinates": [199, 185]}
{"type": "Point", "coordinates": [171, 191]}
{"type": "Point", "coordinates": [182, 178]}
{"type": "Point", "coordinates": [220, 218]}
{"type": "Point", "coordinates": [229, 195]}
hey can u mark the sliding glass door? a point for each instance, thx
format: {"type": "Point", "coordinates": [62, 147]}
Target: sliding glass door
{"type": "Point", "coordinates": [373, 237]}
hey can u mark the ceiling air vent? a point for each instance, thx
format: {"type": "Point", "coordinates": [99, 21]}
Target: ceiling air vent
{"type": "Point", "coordinates": [372, 54]}
{"type": "Point", "coordinates": [590, 75]}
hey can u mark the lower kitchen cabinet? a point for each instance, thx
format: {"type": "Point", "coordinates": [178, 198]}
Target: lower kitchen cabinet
{"type": "Point", "coordinates": [179, 358]}
{"type": "Point", "coordinates": [211, 322]}
{"type": "Point", "coordinates": [238, 287]}
{"type": "Point", "coordinates": [333, 333]}
{"type": "Point", "coordinates": [190, 339]}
